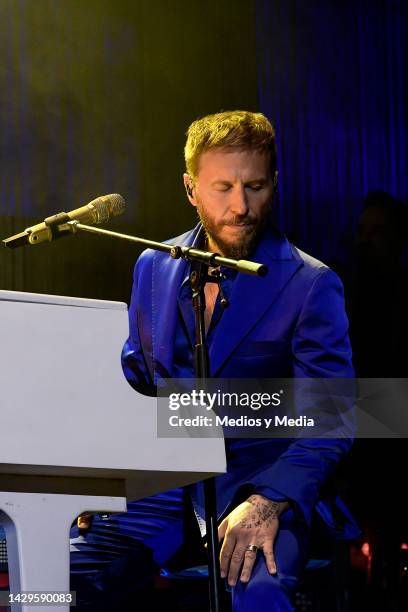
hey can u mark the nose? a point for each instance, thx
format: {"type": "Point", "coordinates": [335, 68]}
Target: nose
{"type": "Point", "coordinates": [239, 203]}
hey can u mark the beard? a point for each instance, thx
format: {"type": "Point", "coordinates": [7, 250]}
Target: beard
{"type": "Point", "coordinates": [244, 245]}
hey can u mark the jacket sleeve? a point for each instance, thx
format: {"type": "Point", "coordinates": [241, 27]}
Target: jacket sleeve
{"type": "Point", "coordinates": [321, 349]}
{"type": "Point", "coordinates": [134, 362]}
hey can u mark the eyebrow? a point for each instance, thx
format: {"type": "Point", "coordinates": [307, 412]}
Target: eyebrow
{"type": "Point", "coordinates": [261, 180]}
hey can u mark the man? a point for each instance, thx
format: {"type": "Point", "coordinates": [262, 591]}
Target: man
{"type": "Point", "coordinates": [290, 323]}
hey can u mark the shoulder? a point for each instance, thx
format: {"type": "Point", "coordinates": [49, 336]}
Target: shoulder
{"type": "Point", "coordinates": [275, 246]}
{"type": "Point", "coordinates": [148, 256]}
{"type": "Point", "coordinates": [311, 264]}
{"type": "Point", "coordinates": [315, 270]}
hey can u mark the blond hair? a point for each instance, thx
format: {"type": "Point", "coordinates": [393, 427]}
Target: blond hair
{"type": "Point", "coordinates": [232, 130]}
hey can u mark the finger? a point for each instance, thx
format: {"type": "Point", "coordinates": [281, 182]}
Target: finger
{"type": "Point", "coordinates": [84, 520]}
{"type": "Point", "coordinates": [249, 562]}
{"type": "Point", "coordinates": [269, 557]}
{"type": "Point", "coordinates": [227, 550]}
{"type": "Point", "coordinates": [236, 561]}
{"type": "Point", "coordinates": [222, 528]}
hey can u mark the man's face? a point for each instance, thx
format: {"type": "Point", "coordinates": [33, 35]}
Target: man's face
{"type": "Point", "coordinates": [232, 194]}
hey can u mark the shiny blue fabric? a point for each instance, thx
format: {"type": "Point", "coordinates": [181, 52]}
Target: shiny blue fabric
{"type": "Point", "coordinates": [292, 323]}
{"type": "Point", "coordinates": [107, 563]}
{"type": "Point", "coordinates": [274, 592]}
{"type": "Point", "coordinates": [156, 521]}
{"type": "Point", "coordinates": [183, 362]}
{"type": "Point", "coordinates": [117, 558]}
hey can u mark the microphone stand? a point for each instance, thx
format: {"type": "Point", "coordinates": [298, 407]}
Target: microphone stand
{"type": "Point", "coordinates": [198, 280]}
{"type": "Point", "coordinates": [176, 252]}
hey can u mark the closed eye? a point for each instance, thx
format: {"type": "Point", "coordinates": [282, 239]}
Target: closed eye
{"type": "Point", "coordinates": [256, 187]}
{"type": "Point", "coordinates": [222, 187]}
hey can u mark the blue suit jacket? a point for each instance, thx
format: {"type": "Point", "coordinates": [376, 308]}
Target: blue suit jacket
{"type": "Point", "coordinates": [292, 323]}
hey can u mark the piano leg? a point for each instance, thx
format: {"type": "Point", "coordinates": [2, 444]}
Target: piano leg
{"type": "Point", "coordinates": [37, 530]}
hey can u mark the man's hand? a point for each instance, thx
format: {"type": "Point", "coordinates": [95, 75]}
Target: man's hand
{"type": "Point", "coordinates": [84, 521]}
{"type": "Point", "coordinates": [255, 522]}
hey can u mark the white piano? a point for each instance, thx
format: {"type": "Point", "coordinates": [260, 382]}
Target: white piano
{"type": "Point", "coordinates": [75, 435]}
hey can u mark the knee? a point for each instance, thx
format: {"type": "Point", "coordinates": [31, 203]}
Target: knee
{"type": "Point", "coordinates": [264, 591]}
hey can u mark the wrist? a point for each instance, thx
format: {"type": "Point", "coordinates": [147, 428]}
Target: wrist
{"type": "Point", "coordinates": [277, 507]}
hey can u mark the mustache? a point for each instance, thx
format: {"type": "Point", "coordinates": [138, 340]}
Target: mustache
{"type": "Point", "coordinates": [237, 221]}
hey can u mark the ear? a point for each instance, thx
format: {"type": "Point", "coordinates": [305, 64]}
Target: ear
{"type": "Point", "coordinates": [189, 186]}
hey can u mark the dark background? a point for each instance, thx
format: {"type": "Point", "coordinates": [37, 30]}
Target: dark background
{"type": "Point", "coordinates": [96, 97]}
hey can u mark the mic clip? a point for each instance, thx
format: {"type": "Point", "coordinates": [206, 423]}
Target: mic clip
{"type": "Point", "coordinates": [55, 227]}
{"type": "Point", "coordinates": [216, 276]}
{"type": "Point", "coordinates": [54, 222]}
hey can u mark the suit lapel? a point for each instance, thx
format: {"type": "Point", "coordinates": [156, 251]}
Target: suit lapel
{"type": "Point", "coordinates": [241, 316]}
{"type": "Point", "coordinates": [167, 276]}
{"type": "Point", "coordinates": [251, 296]}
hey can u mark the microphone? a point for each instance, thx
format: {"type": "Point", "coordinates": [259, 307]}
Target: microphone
{"type": "Point", "coordinates": [98, 211]}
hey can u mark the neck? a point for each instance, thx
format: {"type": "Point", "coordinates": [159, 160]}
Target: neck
{"type": "Point", "coordinates": [210, 245]}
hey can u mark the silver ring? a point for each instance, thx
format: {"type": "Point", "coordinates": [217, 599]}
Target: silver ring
{"type": "Point", "coordinates": [252, 548]}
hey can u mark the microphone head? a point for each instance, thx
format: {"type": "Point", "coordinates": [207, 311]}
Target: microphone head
{"type": "Point", "coordinates": [107, 206]}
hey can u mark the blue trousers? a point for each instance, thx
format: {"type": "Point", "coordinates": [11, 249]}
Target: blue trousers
{"type": "Point", "coordinates": [117, 558]}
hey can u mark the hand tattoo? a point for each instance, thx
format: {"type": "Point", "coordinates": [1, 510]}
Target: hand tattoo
{"type": "Point", "coordinates": [264, 512]}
